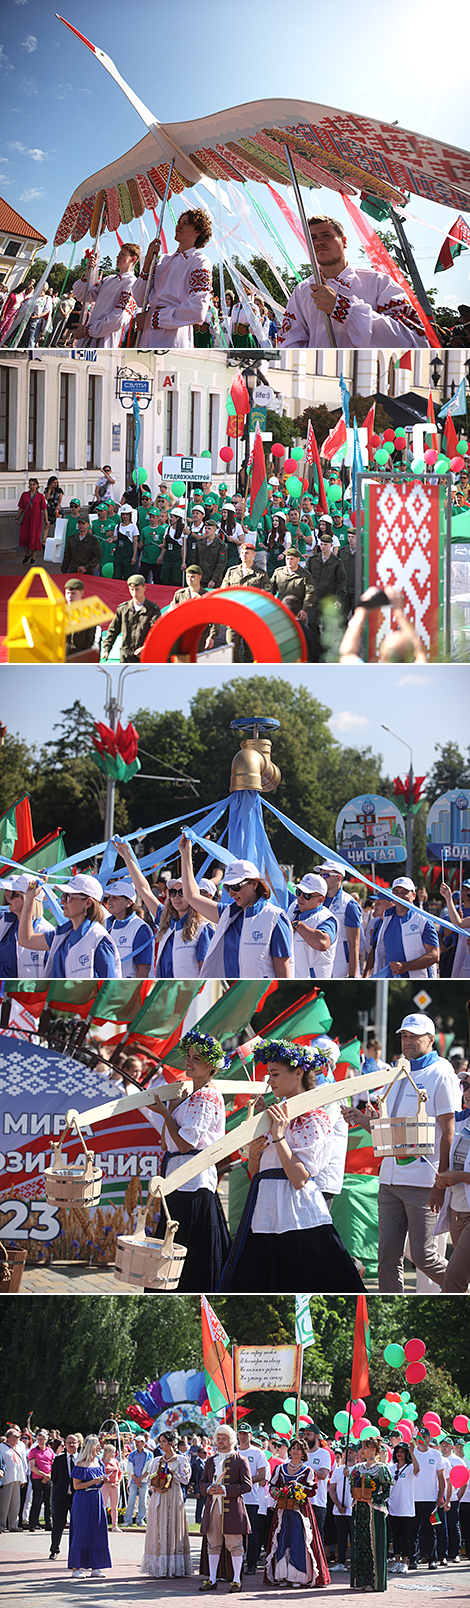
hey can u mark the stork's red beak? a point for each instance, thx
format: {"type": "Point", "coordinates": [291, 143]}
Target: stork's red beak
{"type": "Point", "coordinates": [79, 35]}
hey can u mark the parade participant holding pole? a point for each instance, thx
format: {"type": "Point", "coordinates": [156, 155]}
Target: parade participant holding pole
{"type": "Point", "coordinates": [253, 935]}
{"type": "Point", "coordinates": [133, 937]}
{"type": "Point", "coordinates": [348, 913]}
{"type": "Point", "coordinates": [81, 947]}
{"type": "Point", "coordinates": [183, 936]}
{"type": "Point", "coordinates": [181, 286]}
{"type": "Point", "coordinates": [315, 928]}
{"type": "Point", "coordinates": [366, 308]}
{"type": "Point", "coordinates": [371, 1481]}
{"type": "Point", "coordinates": [224, 1483]}
{"type": "Point", "coordinates": [461, 918]}
{"type": "Point", "coordinates": [295, 1554]}
{"type": "Point", "coordinates": [16, 961]}
{"type": "Point", "coordinates": [112, 299]}
{"type": "Point", "coordinates": [197, 1122]}
{"type": "Point", "coordinates": [286, 1238]}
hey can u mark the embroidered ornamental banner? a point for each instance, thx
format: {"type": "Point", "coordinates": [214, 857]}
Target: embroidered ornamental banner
{"type": "Point", "coordinates": [404, 535]}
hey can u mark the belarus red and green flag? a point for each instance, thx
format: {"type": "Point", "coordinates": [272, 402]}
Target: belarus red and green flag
{"type": "Point", "coordinates": [456, 241]}
{"type": "Point", "coordinates": [16, 830]}
{"type": "Point", "coordinates": [218, 1366]}
{"type": "Point", "coordinates": [403, 362]}
{"type": "Point", "coordinates": [238, 400]}
{"type": "Point", "coordinates": [336, 439]}
{"type": "Point", "coordinates": [258, 483]}
{"type": "Point", "coordinates": [362, 1349]}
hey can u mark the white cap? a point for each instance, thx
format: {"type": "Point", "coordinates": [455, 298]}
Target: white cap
{"type": "Point", "coordinates": [404, 882]}
{"type": "Point", "coordinates": [21, 885]}
{"type": "Point", "coordinates": [240, 871]}
{"type": "Point", "coordinates": [126, 508]}
{"type": "Point", "coordinates": [417, 1024]}
{"type": "Point", "coordinates": [273, 480]}
{"type": "Point", "coordinates": [84, 884]}
{"type": "Point", "coordinates": [121, 890]}
{"type": "Point", "coordinates": [331, 865]}
{"type": "Point", "coordinates": [313, 884]}
{"type": "Point", "coordinates": [331, 1049]}
{"type": "Point", "coordinates": [206, 885]}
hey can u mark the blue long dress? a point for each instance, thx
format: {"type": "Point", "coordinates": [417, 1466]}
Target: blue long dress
{"type": "Point", "coordinates": [88, 1534]}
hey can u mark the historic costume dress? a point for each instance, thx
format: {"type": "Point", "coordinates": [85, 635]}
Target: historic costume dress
{"type": "Point", "coordinates": [196, 1206]}
{"type": "Point", "coordinates": [295, 1551]}
{"type": "Point", "coordinates": [88, 1534]}
{"type": "Point", "coordinates": [369, 1526]}
{"type": "Point", "coordinates": [167, 1551]}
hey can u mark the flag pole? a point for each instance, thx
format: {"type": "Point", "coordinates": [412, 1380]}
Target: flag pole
{"type": "Point", "coordinates": [299, 1392]}
{"type": "Point", "coordinates": [234, 1410]}
{"type": "Point", "coordinates": [308, 239]}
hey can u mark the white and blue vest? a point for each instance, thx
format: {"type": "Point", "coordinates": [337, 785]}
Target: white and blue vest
{"type": "Point", "coordinates": [254, 955]}
{"type": "Point", "coordinates": [30, 962]}
{"type": "Point", "coordinates": [185, 961]}
{"type": "Point", "coordinates": [337, 908]}
{"type": "Point", "coordinates": [79, 961]}
{"type": "Point", "coordinates": [123, 937]}
{"type": "Point", "coordinates": [312, 962]}
{"type": "Point", "coordinates": [412, 940]}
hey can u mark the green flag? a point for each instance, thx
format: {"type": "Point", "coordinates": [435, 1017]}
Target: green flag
{"type": "Point", "coordinates": [303, 1323]}
{"type": "Point", "coordinates": [350, 1055]}
{"type": "Point", "coordinates": [46, 854]}
{"type": "Point", "coordinates": [8, 833]}
{"type": "Point", "coordinates": [311, 1017]}
{"type": "Point", "coordinates": [228, 1016]}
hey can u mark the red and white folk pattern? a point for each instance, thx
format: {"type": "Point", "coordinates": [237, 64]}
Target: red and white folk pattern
{"type": "Point", "coordinates": [402, 530]}
{"type": "Point", "coordinates": [200, 279]}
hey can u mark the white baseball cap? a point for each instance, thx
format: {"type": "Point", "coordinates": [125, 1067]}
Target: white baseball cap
{"type": "Point", "coordinates": [332, 865]}
{"type": "Point", "coordinates": [21, 885]}
{"type": "Point", "coordinates": [328, 1045]}
{"type": "Point", "coordinates": [417, 1024]}
{"type": "Point", "coordinates": [84, 884]}
{"type": "Point", "coordinates": [206, 885]}
{"type": "Point", "coordinates": [312, 884]}
{"type": "Point", "coordinates": [124, 889]}
{"type": "Point", "coordinates": [241, 871]}
{"type": "Point", "coordinates": [126, 508]}
{"type": "Point", "coordinates": [404, 882]}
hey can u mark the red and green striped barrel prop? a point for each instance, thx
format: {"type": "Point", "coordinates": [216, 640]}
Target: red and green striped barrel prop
{"type": "Point", "coordinates": [266, 625]}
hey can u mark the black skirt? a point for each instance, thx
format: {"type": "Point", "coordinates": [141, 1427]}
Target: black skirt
{"type": "Point", "coordinates": [202, 1227]}
{"type": "Point", "coordinates": [312, 1259]}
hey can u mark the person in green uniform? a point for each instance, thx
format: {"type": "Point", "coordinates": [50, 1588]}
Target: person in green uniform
{"type": "Point", "coordinates": [146, 508]}
{"type": "Point", "coordinates": [347, 557]}
{"type": "Point", "coordinates": [193, 588]}
{"type": "Point", "coordinates": [150, 547]}
{"type": "Point", "coordinates": [196, 501]}
{"type": "Point", "coordinates": [222, 495]}
{"type": "Point", "coordinates": [245, 573]}
{"type": "Point", "coordinates": [211, 556]}
{"type": "Point", "coordinates": [72, 521]}
{"type": "Point", "coordinates": [77, 641]}
{"type": "Point", "coordinates": [289, 580]}
{"type": "Point", "coordinates": [230, 532]}
{"type": "Point", "coordinates": [299, 530]}
{"type": "Point", "coordinates": [103, 527]}
{"type": "Point", "coordinates": [328, 575]}
{"type": "Point", "coordinates": [371, 1482]}
{"type": "Point", "coordinates": [132, 621]}
{"type": "Point", "coordinates": [82, 552]}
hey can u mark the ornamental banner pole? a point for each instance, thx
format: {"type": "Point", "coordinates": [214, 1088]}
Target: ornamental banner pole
{"type": "Point", "coordinates": [308, 239]}
{"type": "Point", "coordinates": [158, 235]}
{"type": "Point", "coordinates": [86, 315]}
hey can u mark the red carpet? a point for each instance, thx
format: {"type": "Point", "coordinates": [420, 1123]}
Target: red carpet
{"type": "Point", "coordinates": [111, 593]}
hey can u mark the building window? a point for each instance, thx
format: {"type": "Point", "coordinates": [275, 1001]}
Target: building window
{"type": "Point", "coordinates": [130, 447]}
{"type": "Point", "coordinates": [93, 439]}
{"type": "Point", "coordinates": [33, 420]}
{"type": "Point", "coordinates": [169, 424]}
{"type": "Point", "coordinates": [214, 428]}
{"type": "Point", "coordinates": [12, 248]}
{"type": "Point", "coordinates": [64, 420]}
{"type": "Point", "coordinates": [4, 416]}
{"type": "Point", "coordinates": [319, 361]}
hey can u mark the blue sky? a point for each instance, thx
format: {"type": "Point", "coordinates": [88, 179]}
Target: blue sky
{"type": "Point", "coordinates": [63, 117]}
{"type": "Point", "coordinates": [424, 704]}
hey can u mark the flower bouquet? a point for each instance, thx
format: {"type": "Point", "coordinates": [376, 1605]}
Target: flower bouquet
{"type": "Point", "coordinates": [292, 1496]}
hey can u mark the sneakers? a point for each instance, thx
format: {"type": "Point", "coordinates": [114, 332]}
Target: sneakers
{"type": "Point", "coordinates": [443, 1563]}
{"type": "Point", "coordinates": [432, 1564]}
{"type": "Point", "coordinates": [412, 1566]}
{"type": "Point", "coordinates": [78, 1574]}
{"type": "Point", "coordinates": [333, 1567]}
{"type": "Point", "coordinates": [394, 1568]}
{"type": "Point", "coordinates": [402, 1568]}
{"type": "Point", "coordinates": [97, 1574]}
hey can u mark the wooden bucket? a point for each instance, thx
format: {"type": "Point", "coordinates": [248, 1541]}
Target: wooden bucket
{"type": "Point", "coordinates": [149, 1263]}
{"type": "Point", "coordinates": [71, 1185]}
{"type": "Point", "coordinates": [12, 1264]}
{"type": "Point", "coordinates": [362, 1492]}
{"type": "Point", "coordinates": [403, 1138]}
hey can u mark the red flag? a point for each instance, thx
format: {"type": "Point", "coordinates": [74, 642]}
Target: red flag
{"type": "Point", "coordinates": [16, 830]}
{"type": "Point", "coordinates": [240, 395]}
{"type": "Point", "coordinates": [360, 1369]}
{"type": "Point", "coordinates": [336, 439]}
{"type": "Point", "coordinates": [403, 362]}
{"type": "Point", "coordinates": [289, 216]}
{"type": "Point", "coordinates": [431, 421]}
{"type": "Point", "coordinates": [369, 423]}
{"type": "Point", "coordinates": [313, 457]}
{"type": "Point", "coordinates": [381, 260]}
{"type": "Point", "coordinates": [457, 240]}
{"type": "Point", "coordinates": [259, 485]}
{"type": "Point", "coordinates": [450, 437]}
{"type": "Point", "coordinates": [218, 1366]}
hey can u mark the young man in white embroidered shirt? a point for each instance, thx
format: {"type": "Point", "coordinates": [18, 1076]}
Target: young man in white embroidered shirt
{"type": "Point", "coordinates": [366, 308]}
{"type": "Point", "coordinates": [113, 302]}
{"type": "Point", "coordinates": [181, 286]}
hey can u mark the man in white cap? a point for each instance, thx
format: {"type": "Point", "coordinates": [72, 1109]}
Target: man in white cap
{"type": "Point", "coordinates": [407, 1190]}
{"type": "Point", "coordinates": [253, 936]}
{"type": "Point", "coordinates": [407, 942]}
{"type": "Point", "coordinates": [315, 928]}
{"type": "Point", "coordinates": [80, 947]}
{"type": "Point", "coordinates": [16, 961]}
{"type": "Point", "coordinates": [133, 937]}
{"type": "Point", "coordinates": [348, 914]}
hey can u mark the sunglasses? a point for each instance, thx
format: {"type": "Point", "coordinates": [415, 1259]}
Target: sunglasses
{"type": "Point", "coordinates": [464, 1082]}
{"type": "Point", "coordinates": [176, 893]}
{"type": "Point", "coordinates": [305, 895]}
{"type": "Point", "coordinates": [234, 887]}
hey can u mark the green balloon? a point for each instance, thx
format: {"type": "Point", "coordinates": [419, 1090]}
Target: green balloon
{"type": "Point", "coordinates": [394, 1355]}
{"type": "Point", "coordinates": [290, 1406]}
{"type": "Point", "coordinates": [297, 453]}
{"type": "Point", "coordinates": [342, 1421]}
{"type": "Point", "coordinates": [293, 486]}
{"type": "Point", "coordinates": [369, 1433]}
{"type": "Point", "coordinates": [206, 453]}
{"type": "Point", "coordinates": [334, 494]}
{"type": "Point", "coordinates": [466, 1451]}
{"type": "Point", "coordinates": [389, 446]}
{"type": "Point", "coordinates": [140, 478]}
{"type": "Point", "coordinates": [418, 466]}
{"type": "Point", "coordinates": [282, 1424]}
{"type": "Point", "coordinates": [107, 570]}
{"type": "Point", "coordinates": [381, 456]}
{"type": "Point", "coordinates": [442, 466]}
{"type": "Point", "coordinates": [405, 1395]}
{"type": "Point", "coordinates": [462, 448]}
{"type": "Point", "coordinates": [178, 488]}
{"type": "Point", "coordinates": [394, 1412]}
{"type": "Point", "coordinates": [383, 1404]}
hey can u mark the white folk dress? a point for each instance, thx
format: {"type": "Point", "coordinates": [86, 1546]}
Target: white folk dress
{"type": "Point", "coordinates": [167, 1552]}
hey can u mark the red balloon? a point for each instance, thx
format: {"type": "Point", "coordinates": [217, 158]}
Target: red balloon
{"type": "Point", "coordinates": [431, 456]}
{"type": "Point", "coordinates": [375, 441]}
{"type": "Point", "coordinates": [226, 454]}
{"type": "Point", "coordinates": [459, 1475]}
{"type": "Point", "coordinates": [290, 466]}
{"type": "Point", "coordinates": [383, 1423]}
{"type": "Point", "coordinates": [456, 465]}
{"type": "Point", "coordinates": [415, 1373]}
{"type": "Point", "coordinates": [160, 467]}
{"type": "Point", "coordinates": [277, 451]}
{"type": "Point", "coordinates": [389, 435]}
{"type": "Point", "coordinates": [414, 1350]}
{"type": "Point", "coordinates": [392, 1395]}
{"type": "Point", "coordinates": [356, 1408]}
{"type": "Point", "coordinates": [359, 1425]}
{"type": "Point", "coordinates": [406, 1430]}
{"type": "Point", "coordinates": [431, 1419]}
{"type": "Point", "coordinates": [460, 1422]}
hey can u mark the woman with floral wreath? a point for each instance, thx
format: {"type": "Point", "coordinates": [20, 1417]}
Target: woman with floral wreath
{"type": "Point", "coordinates": [371, 1481]}
{"type": "Point", "coordinates": [295, 1555]}
{"type": "Point", "coordinates": [286, 1239]}
{"type": "Point", "coordinates": [167, 1552]}
{"type": "Point", "coordinates": [197, 1121]}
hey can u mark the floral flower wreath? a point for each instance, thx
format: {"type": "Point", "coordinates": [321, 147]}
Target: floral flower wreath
{"type": "Point", "coordinates": [210, 1049]}
{"type": "Point", "coordinates": [293, 1055]}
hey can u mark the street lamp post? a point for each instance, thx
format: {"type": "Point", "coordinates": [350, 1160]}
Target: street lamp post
{"type": "Point", "coordinates": [410, 817]}
{"type": "Point", "coordinates": [107, 1390]}
{"type": "Point", "coordinates": [113, 709]}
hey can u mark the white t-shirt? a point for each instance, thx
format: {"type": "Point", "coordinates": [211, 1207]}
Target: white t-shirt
{"type": "Point", "coordinates": [443, 1094]}
{"type": "Point", "coordinates": [337, 1480]}
{"type": "Point", "coordinates": [258, 1464]}
{"type": "Point", "coordinates": [425, 1483]}
{"type": "Point", "coordinates": [319, 1460]}
{"type": "Point", "coordinates": [401, 1502]}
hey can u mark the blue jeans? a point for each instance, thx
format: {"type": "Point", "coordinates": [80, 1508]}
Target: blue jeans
{"type": "Point", "coordinates": [141, 1492]}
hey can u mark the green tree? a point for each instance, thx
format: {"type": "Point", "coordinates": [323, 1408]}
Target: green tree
{"type": "Point", "coordinates": [449, 771]}
{"type": "Point", "coordinates": [16, 767]}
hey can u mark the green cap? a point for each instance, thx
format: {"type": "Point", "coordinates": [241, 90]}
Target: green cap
{"type": "Point", "coordinates": [74, 502]}
{"type": "Point", "coordinates": [74, 585]}
{"type": "Point", "coordinates": [136, 580]}
{"type": "Point", "coordinates": [193, 569]}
